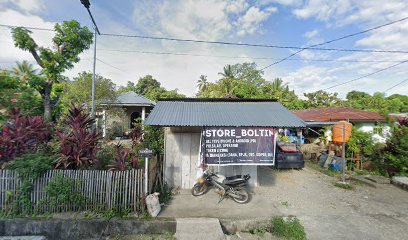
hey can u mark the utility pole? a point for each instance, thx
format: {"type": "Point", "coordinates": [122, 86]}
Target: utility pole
{"type": "Point", "coordinates": [87, 4]}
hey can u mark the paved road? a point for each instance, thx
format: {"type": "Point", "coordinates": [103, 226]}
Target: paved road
{"type": "Point", "coordinates": [327, 212]}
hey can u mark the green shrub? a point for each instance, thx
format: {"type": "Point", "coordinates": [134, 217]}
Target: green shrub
{"type": "Point", "coordinates": [290, 229]}
{"type": "Point", "coordinates": [395, 152]}
{"type": "Point", "coordinates": [61, 191]}
{"type": "Point", "coordinates": [32, 165]}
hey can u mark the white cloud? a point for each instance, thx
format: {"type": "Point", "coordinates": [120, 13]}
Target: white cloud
{"type": "Point", "coordinates": [308, 79]}
{"type": "Point", "coordinates": [12, 17]}
{"type": "Point", "coordinates": [236, 6]}
{"type": "Point", "coordinates": [311, 34]}
{"type": "Point", "coordinates": [323, 9]}
{"type": "Point", "coordinates": [251, 21]}
{"type": "Point", "coordinates": [27, 6]}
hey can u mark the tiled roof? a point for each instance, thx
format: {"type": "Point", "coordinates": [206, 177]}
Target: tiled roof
{"type": "Point", "coordinates": [332, 114]}
{"type": "Point", "coordinates": [131, 99]}
{"type": "Point", "coordinates": [222, 112]}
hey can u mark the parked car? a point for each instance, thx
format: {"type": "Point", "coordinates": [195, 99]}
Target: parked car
{"type": "Point", "coordinates": [288, 156]}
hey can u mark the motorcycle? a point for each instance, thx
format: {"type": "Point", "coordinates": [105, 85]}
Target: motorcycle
{"type": "Point", "coordinates": [227, 187]}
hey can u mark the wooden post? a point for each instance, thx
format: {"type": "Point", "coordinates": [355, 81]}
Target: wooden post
{"type": "Point", "coordinates": [146, 176]}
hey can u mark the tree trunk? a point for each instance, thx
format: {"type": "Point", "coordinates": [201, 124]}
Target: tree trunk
{"type": "Point", "coordinates": [47, 101]}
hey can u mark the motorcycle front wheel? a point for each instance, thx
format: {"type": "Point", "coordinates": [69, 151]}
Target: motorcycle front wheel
{"type": "Point", "coordinates": [241, 196]}
{"type": "Point", "coordinates": [199, 189]}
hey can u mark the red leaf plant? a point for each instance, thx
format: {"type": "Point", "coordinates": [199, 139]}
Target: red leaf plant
{"type": "Point", "coordinates": [22, 134]}
{"type": "Point", "coordinates": [78, 142]}
{"type": "Point", "coordinates": [123, 159]}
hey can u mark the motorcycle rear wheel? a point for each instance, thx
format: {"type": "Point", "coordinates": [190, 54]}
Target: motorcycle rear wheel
{"type": "Point", "coordinates": [243, 196]}
{"type": "Point", "coordinates": [199, 189]}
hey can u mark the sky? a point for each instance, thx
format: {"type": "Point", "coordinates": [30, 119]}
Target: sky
{"type": "Point", "coordinates": [272, 22]}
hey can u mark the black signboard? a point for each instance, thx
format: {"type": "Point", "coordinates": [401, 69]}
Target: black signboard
{"type": "Point", "coordinates": [238, 146]}
{"type": "Point", "coordinates": [145, 153]}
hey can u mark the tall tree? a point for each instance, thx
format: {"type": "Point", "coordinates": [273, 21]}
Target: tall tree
{"type": "Point", "coordinates": [227, 82]}
{"type": "Point", "coordinates": [146, 84]}
{"type": "Point", "coordinates": [24, 71]}
{"type": "Point", "coordinates": [69, 41]}
{"type": "Point", "coordinates": [322, 99]}
{"type": "Point", "coordinates": [202, 83]}
{"type": "Point", "coordinates": [79, 91]}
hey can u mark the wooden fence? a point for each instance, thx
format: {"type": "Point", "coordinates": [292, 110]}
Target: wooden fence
{"type": "Point", "coordinates": [100, 189]}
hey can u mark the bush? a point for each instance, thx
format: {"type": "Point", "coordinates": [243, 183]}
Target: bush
{"type": "Point", "coordinates": [31, 166]}
{"type": "Point", "coordinates": [123, 159]}
{"type": "Point", "coordinates": [289, 229]}
{"type": "Point", "coordinates": [61, 191]}
{"type": "Point", "coordinates": [395, 153]}
{"type": "Point", "coordinates": [78, 142]}
{"type": "Point", "coordinates": [22, 134]}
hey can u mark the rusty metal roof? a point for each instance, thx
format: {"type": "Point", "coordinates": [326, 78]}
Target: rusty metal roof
{"type": "Point", "coordinates": [332, 114]}
{"type": "Point", "coordinates": [222, 112]}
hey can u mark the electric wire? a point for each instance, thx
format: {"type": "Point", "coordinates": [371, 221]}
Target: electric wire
{"type": "Point", "coordinates": [364, 76]}
{"type": "Point", "coordinates": [396, 85]}
{"type": "Point", "coordinates": [241, 44]}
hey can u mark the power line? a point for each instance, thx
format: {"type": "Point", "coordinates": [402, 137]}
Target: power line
{"type": "Point", "coordinates": [233, 43]}
{"type": "Point", "coordinates": [367, 75]}
{"type": "Point", "coordinates": [244, 57]}
{"type": "Point", "coordinates": [335, 40]}
{"type": "Point", "coordinates": [32, 28]}
{"type": "Point", "coordinates": [396, 85]}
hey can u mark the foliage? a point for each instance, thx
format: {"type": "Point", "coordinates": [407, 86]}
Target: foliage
{"type": "Point", "coordinates": [320, 99]}
{"type": "Point", "coordinates": [61, 191]}
{"type": "Point", "coordinates": [150, 88]}
{"type": "Point", "coordinates": [22, 134]}
{"type": "Point", "coordinates": [29, 167]}
{"type": "Point", "coordinates": [78, 142]}
{"type": "Point", "coordinates": [79, 91]}
{"type": "Point", "coordinates": [259, 231]}
{"type": "Point", "coordinates": [202, 83]}
{"type": "Point", "coordinates": [288, 229]}
{"type": "Point", "coordinates": [344, 185]}
{"type": "Point", "coordinates": [377, 102]}
{"type": "Point", "coordinates": [395, 152]}
{"type": "Point", "coordinates": [166, 193]}
{"type": "Point", "coordinates": [123, 159]}
{"type": "Point", "coordinates": [114, 131]}
{"type": "Point", "coordinates": [154, 139]}
{"type": "Point", "coordinates": [360, 142]}
{"type": "Point", "coordinates": [16, 93]}
{"type": "Point", "coordinates": [69, 41]}
{"type": "Point", "coordinates": [136, 134]}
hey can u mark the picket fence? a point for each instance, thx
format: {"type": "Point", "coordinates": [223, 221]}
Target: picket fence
{"type": "Point", "coordinates": [101, 190]}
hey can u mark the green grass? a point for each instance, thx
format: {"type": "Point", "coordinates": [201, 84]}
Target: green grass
{"type": "Point", "coordinates": [346, 186]}
{"type": "Point", "coordinates": [290, 229]}
{"type": "Point", "coordinates": [259, 231]}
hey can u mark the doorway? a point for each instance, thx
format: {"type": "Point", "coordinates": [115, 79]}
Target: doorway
{"type": "Point", "coordinates": [134, 119]}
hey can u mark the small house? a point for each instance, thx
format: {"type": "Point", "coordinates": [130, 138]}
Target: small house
{"type": "Point", "coordinates": [365, 121]}
{"type": "Point", "coordinates": [119, 116]}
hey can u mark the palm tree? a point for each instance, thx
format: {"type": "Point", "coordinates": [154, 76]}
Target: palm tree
{"type": "Point", "coordinates": [278, 86]}
{"type": "Point", "coordinates": [24, 70]}
{"type": "Point", "coordinates": [228, 80]}
{"type": "Point", "coordinates": [202, 83]}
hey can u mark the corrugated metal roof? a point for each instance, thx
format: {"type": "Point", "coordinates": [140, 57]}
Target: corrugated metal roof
{"type": "Point", "coordinates": [338, 113]}
{"type": "Point", "coordinates": [222, 113]}
{"type": "Point", "coordinates": [131, 99]}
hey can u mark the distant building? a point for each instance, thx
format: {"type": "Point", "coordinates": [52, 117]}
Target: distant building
{"type": "Point", "coordinates": [130, 107]}
{"type": "Point", "coordinates": [365, 121]}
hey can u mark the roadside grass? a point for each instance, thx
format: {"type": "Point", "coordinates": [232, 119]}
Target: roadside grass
{"type": "Point", "coordinates": [290, 228]}
{"type": "Point", "coordinates": [259, 231]}
{"type": "Point", "coordinates": [346, 186]}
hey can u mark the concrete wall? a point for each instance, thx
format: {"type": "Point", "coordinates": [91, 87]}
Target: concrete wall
{"type": "Point", "coordinates": [182, 145]}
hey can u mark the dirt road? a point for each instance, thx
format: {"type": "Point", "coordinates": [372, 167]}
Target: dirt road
{"type": "Point", "coordinates": [326, 211]}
